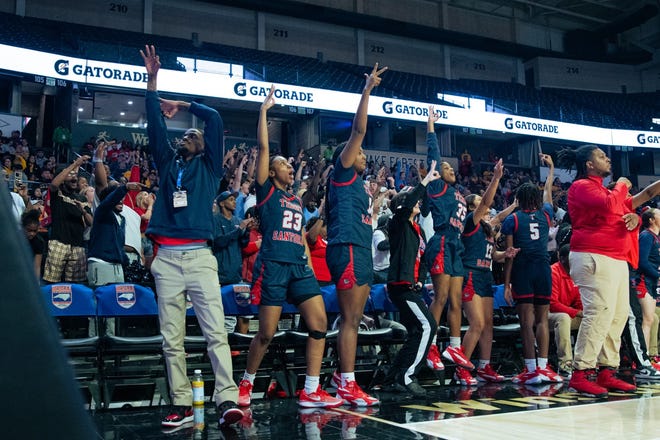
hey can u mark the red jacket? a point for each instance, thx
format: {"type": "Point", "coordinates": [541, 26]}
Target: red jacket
{"type": "Point", "coordinates": [249, 254]}
{"type": "Point", "coordinates": [565, 294]}
{"type": "Point", "coordinates": [596, 216]}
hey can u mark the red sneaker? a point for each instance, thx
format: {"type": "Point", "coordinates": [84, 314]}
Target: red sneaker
{"type": "Point", "coordinates": [433, 359]}
{"type": "Point", "coordinates": [178, 416]}
{"type": "Point", "coordinates": [488, 374]}
{"type": "Point", "coordinates": [547, 374]}
{"type": "Point", "coordinates": [319, 399]}
{"type": "Point", "coordinates": [583, 382]}
{"type": "Point", "coordinates": [353, 395]}
{"type": "Point", "coordinates": [463, 377]}
{"type": "Point", "coordinates": [456, 355]}
{"type": "Point", "coordinates": [336, 380]}
{"type": "Point", "coordinates": [527, 377]}
{"type": "Point", "coordinates": [607, 379]}
{"type": "Point", "coordinates": [244, 393]}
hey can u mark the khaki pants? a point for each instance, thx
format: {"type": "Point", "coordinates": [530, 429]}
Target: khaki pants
{"type": "Point", "coordinates": [603, 284]}
{"type": "Point", "coordinates": [195, 272]}
{"type": "Point", "coordinates": [562, 325]}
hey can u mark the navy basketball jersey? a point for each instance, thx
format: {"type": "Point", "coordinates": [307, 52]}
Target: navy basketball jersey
{"type": "Point", "coordinates": [281, 222]}
{"type": "Point", "coordinates": [478, 251]}
{"type": "Point", "coordinates": [530, 233]}
{"type": "Point", "coordinates": [350, 208]}
{"type": "Point", "coordinates": [447, 206]}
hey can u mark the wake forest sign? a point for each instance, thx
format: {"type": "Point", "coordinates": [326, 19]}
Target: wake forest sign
{"type": "Point", "coordinates": [56, 69]}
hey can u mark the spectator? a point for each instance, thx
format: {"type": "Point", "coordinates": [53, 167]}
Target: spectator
{"type": "Point", "coordinates": [106, 245]}
{"type": "Point", "coordinates": [229, 237]}
{"type": "Point", "coordinates": [30, 224]}
{"type": "Point", "coordinates": [565, 311]}
{"type": "Point", "coordinates": [70, 213]}
{"type": "Point", "coordinates": [182, 225]}
{"type": "Point", "coordinates": [251, 250]}
{"type": "Point", "coordinates": [317, 234]}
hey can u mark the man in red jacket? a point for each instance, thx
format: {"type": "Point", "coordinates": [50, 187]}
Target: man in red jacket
{"type": "Point", "coordinates": [565, 311]}
{"type": "Point", "coordinates": [599, 253]}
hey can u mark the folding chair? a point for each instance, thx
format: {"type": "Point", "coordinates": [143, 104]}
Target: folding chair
{"type": "Point", "coordinates": [74, 308]}
{"type": "Point", "coordinates": [132, 360]}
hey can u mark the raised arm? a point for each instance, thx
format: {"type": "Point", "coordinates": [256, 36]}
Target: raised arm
{"type": "Point", "coordinates": [152, 64]}
{"type": "Point", "coordinates": [547, 188]}
{"type": "Point", "coordinates": [59, 179]}
{"type": "Point", "coordinates": [433, 150]}
{"type": "Point", "coordinates": [489, 195]}
{"type": "Point", "coordinates": [262, 138]}
{"type": "Point", "coordinates": [359, 129]}
{"type": "Point", "coordinates": [646, 194]}
{"type": "Point", "coordinates": [100, 174]}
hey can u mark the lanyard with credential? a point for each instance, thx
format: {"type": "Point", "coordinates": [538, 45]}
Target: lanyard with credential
{"type": "Point", "coordinates": [179, 198]}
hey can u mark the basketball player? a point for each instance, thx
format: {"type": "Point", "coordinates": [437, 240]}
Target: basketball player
{"type": "Point", "coordinates": [283, 272]}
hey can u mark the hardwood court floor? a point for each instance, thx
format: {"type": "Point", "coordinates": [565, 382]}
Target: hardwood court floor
{"type": "Point", "coordinates": [502, 411]}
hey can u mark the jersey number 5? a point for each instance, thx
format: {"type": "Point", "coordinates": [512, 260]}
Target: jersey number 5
{"type": "Point", "coordinates": [534, 231]}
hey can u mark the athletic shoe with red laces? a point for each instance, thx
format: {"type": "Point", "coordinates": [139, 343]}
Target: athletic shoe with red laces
{"type": "Point", "coordinates": [583, 382]}
{"type": "Point", "coordinates": [244, 393]}
{"type": "Point", "coordinates": [527, 377]}
{"type": "Point", "coordinates": [655, 365]}
{"type": "Point", "coordinates": [352, 394]}
{"type": "Point", "coordinates": [548, 375]}
{"type": "Point", "coordinates": [177, 416]}
{"type": "Point", "coordinates": [607, 379]}
{"type": "Point", "coordinates": [433, 359]}
{"type": "Point", "coordinates": [456, 355]}
{"type": "Point", "coordinates": [464, 377]}
{"type": "Point", "coordinates": [318, 399]}
{"type": "Point", "coordinates": [488, 374]}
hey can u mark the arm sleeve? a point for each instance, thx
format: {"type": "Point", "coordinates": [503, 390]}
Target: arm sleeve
{"type": "Point", "coordinates": [432, 148]}
{"type": "Point", "coordinates": [157, 131]}
{"type": "Point", "coordinates": [213, 135]}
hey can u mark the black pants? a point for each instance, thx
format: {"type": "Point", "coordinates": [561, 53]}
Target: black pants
{"type": "Point", "coordinates": [633, 343]}
{"type": "Point", "coordinates": [421, 327]}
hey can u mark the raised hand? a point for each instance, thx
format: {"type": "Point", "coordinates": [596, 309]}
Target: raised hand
{"type": "Point", "coordinates": [432, 174]}
{"type": "Point", "coordinates": [151, 60]}
{"type": "Point", "coordinates": [169, 107]}
{"type": "Point", "coordinates": [547, 159]}
{"type": "Point", "coordinates": [433, 116]}
{"type": "Point", "coordinates": [498, 170]}
{"type": "Point", "coordinates": [269, 102]}
{"type": "Point", "coordinates": [373, 79]}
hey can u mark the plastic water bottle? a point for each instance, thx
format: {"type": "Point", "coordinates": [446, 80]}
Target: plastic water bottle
{"type": "Point", "coordinates": [198, 388]}
{"type": "Point", "coordinates": [198, 421]}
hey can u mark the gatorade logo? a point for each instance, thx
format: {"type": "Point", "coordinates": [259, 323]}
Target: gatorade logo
{"type": "Point", "coordinates": [62, 67]}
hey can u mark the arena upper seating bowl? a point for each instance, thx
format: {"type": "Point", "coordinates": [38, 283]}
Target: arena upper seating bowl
{"type": "Point", "coordinates": [608, 110]}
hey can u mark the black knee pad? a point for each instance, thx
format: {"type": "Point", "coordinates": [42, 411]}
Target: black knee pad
{"type": "Point", "coordinates": [314, 334]}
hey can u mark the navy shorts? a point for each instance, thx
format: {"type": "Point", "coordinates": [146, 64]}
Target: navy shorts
{"type": "Point", "coordinates": [349, 265]}
{"type": "Point", "coordinates": [444, 255]}
{"type": "Point", "coordinates": [479, 282]}
{"type": "Point", "coordinates": [531, 282]}
{"type": "Point", "coordinates": [276, 283]}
